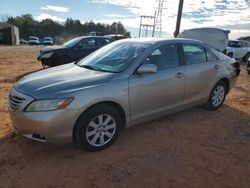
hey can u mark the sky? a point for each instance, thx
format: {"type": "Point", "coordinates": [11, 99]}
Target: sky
{"type": "Point", "coordinates": [231, 15]}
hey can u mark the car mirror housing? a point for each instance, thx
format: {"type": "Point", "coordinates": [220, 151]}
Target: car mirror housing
{"type": "Point", "coordinates": [147, 69]}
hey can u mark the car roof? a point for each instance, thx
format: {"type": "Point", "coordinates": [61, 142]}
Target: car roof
{"type": "Point", "coordinates": [82, 37]}
{"type": "Point", "coordinates": [155, 40]}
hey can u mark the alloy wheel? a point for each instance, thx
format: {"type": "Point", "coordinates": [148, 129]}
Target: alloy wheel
{"type": "Point", "coordinates": [100, 130]}
{"type": "Point", "coordinates": [218, 95]}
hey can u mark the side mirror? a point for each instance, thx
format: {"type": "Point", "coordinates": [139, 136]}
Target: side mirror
{"type": "Point", "coordinates": [147, 69]}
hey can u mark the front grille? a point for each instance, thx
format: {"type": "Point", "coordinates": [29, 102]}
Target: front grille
{"type": "Point", "coordinates": [15, 102]}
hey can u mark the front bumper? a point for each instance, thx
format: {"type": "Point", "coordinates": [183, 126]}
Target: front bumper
{"type": "Point", "coordinates": [55, 127]}
{"type": "Point", "coordinates": [46, 61]}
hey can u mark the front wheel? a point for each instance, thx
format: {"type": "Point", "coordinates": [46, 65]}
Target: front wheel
{"type": "Point", "coordinates": [246, 58]}
{"type": "Point", "coordinates": [97, 128]}
{"type": "Point", "coordinates": [217, 96]}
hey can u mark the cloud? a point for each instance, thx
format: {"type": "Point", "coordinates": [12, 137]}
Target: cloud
{"type": "Point", "coordinates": [55, 8]}
{"type": "Point", "coordinates": [225, 14]}
{"type": "Point", "coordinates": [118, 16]}
{"type": "Point", "coordinates": [48, 16]}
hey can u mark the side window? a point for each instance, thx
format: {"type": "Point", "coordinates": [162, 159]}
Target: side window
{"type": "Point", "coordinates": [104, 41]}
{"type": "Point", "coordinates": [245, 44]}
{"type": "Point", "coordinates": [87, 43]}
{"type": "Point", "coordinates": [240, 44]}
{"type": "Point", "coordinates": [194, 54]}
{"type": "Point", "coordinates": [210, 56]}
{"type": "Point", "coordinates": [164, 57]}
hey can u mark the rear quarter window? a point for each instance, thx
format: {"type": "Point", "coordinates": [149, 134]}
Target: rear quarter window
{"type": "Point", "coordinates": [210, 56]}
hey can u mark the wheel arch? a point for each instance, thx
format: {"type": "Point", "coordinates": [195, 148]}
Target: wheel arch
{"type": "Point", "coordinates": [245, 56]}
{"type": "Point", "coordinates": [115, 105]}
{"type": "Point", "coordinates": [227, 82]}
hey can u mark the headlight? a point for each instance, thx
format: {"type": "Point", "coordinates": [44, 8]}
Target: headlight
{"type": "Point", "coordinates": [47, 105]}
{"type": "Point", "coordinates": [47, 55]}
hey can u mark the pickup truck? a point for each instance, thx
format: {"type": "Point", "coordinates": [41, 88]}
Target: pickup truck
{"type": "Point", "coordinates": [239, 49]}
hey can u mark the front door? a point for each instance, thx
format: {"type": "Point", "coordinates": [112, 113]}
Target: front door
{"type": "Point", "coordinates": [153, 94]}
{"type": "Point", "coordinates": [84, 48]}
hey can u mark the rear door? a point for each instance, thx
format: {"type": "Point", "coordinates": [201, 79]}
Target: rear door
{"type": "Point", "coordinates": [202, 68]}
{"type": "Point", "coordinates": [153, 94]}
{"type": "Point", "coordinates": [104, 41]}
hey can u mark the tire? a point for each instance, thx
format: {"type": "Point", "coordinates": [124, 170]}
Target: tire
{"type": "Point", "coordinates": [217, 96]}
{"type": "Point", "coordinates": [44, 65]}
{"type": "Point", "coordinates": [230, 54]}
{"type": "Point", "coordinates": [246, 57]}
{"type": "Point", "coordinates": [98, 128]}
{"type": "Point", "coordinates": [62, 60]}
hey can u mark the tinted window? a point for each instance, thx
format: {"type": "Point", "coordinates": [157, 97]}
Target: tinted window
{"type": "Point", "coordinates": [245, 44]}
{"type": "Point", "coordinates": [194, 54]}
{"type": "Point", "coordinates": [233, 44]}
{"type": "Point", "coordinates": [104, 41]}
{"type": "Point", "coordinates": [87, 43]}
{"type": "Point", "coordinates": [72, 42]}
{"type": "Point", "coordinates": [210, 56]}
{"type": "Point", "coordinates": [164, 57]}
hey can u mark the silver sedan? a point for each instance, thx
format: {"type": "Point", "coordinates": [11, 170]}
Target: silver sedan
{"type": "Point", "coordinates": [122, 84]}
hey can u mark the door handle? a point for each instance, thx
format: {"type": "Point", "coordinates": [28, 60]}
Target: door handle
{"type": "Point", "coordinates": [179, 75]}
{"type": "Point", "coordinates": [216, 67]}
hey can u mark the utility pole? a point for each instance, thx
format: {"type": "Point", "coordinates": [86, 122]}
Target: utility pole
{"type": "Point", "coordinates": [158, 17]}
{"type": "Point", "coordinates": [146, 25]}
{"type": "Point", "coordinates": [178, 21]}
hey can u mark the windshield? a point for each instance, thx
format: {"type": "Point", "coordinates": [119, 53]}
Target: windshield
{"type": "Point", "coordinates": [114, 57]}
{"type": "Point", "coordinates": [233, 44]}
{"type": "Point", "coordinates": [72, 42]}
{"type": "Point", "coordinates": [33, 38]}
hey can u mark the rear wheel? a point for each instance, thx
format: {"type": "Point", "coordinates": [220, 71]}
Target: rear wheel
{"type": "Point", "coordinates": [217, 96]}
{"type": "Point", "coordinates": [98, 128]}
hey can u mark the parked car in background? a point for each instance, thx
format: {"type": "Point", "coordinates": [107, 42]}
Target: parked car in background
{"type": "Point", "coordinates": [248, 67]}
{"type": "Point", "coordinates": [34, 40]}
{"type": "Point", "coordinates": [122, 84]}
{"type": "Point", "coordinates": [48, 41]}
{"type": "Point", "coordinates": [239, 49]}
{"type": "Point", "coordinates": [73, 50]}
{"type": "Point", "coordinates": [116, 36]}
{"type": "Point", "coordinates": [22, 41]}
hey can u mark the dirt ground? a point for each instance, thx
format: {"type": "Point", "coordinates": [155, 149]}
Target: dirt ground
{"type": "Point", "coordinates": [194, 148]}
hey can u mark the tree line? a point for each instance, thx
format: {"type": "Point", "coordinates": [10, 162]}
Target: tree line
{"type": "Point", "coordinates": [28, 26]}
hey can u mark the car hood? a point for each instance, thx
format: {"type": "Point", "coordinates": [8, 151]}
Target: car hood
{"type": "Point", "coordinates": [52, 48]}
{"type": "Point", "coordinates": [59, 81]}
